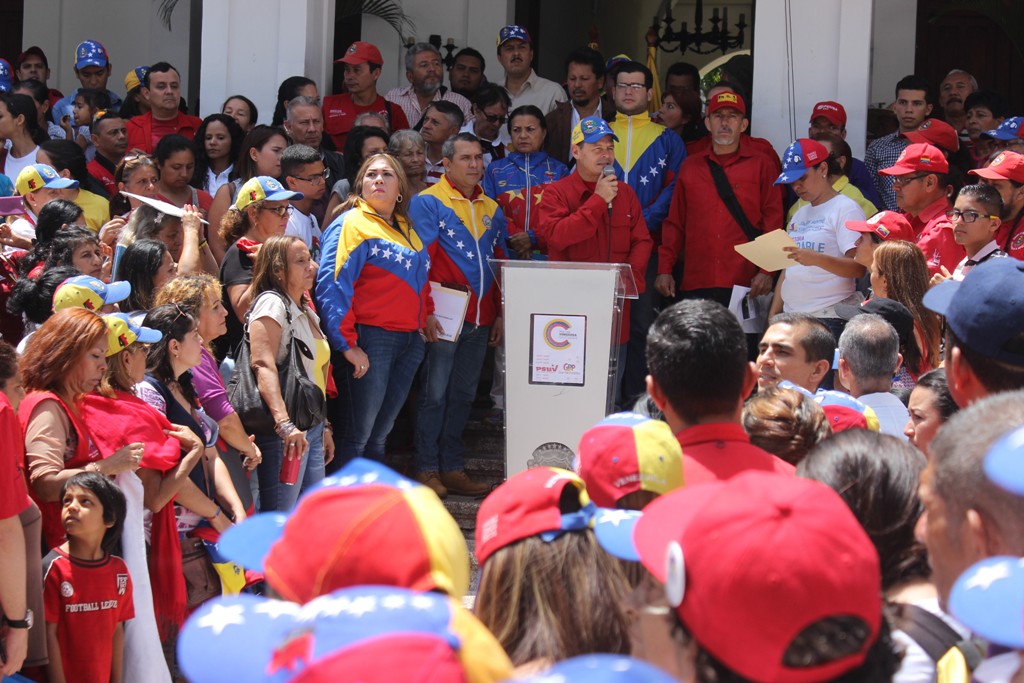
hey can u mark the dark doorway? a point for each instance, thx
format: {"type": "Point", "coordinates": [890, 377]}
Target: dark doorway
{"type": "Point", "coordinates": [952, 36]}
{"type": "Point", "coordinates": [348, 28]}
{"type": "Point", "coordinates": [12, 18]}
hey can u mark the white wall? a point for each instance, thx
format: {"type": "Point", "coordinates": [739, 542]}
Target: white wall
{"type": "Point", "coordinates": [469, 22]}
{"type": "Point", "coordinates": [894, 32]}
{"type": "Point", "coordinates": [269, 41]}
{"type": "Point", "coordinates": [807, 51]}
{"type": "Point", "coordinates": [130, 30]}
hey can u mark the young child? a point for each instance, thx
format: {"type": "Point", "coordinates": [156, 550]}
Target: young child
{"type": "Point", "coordinates": [976, 218]}
{"type": "Point", "coordinates": [87, 104]}
{"type": "Point", "coordinates": [87, 592]}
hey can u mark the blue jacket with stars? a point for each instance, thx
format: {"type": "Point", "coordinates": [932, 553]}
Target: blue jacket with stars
{"type": "Point", "coordinates": [515, 183]}
{"type": "Point", "coordinates": [647, 158]}
{"type": "Point", "coordinates": [371, 273]}
{"type": "Point", "coordinates": [461, 234]}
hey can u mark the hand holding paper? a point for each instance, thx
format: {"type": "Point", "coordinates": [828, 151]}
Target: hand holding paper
{"type": "Point", "coordinates": [768, 251]}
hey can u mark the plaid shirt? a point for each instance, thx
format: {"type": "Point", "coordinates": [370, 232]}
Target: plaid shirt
{"type": "Point", "coordinates": [405, 98]}
{"type": "Point", "coordinates": [883, 153]}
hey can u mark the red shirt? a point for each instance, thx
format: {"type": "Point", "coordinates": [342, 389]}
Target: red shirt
{"type": "Point", "coordinates": [718, 451]}
{"type": "Point", "coordinates": [935, 237]}
{"type": "Point", "coordinates": [340, 114]}
{"type": "Point", "coordinates": [574, 221]}
{"type": "Point", "coordinates": [699, 228]}
{"type": "Point", "coordinates": [1010, 237]}
{"type": "Point", "coordinates": [104, 174]}
{"type": "Point", "coordinates": [13, 494]}
{"type": "Point", "coordinates": [144, 133]}
{"type": "Point", "coordinates": [87, 600]}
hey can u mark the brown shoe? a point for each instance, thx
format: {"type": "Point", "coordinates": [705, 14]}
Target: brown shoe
{"type": "Point", "coordinates": [460, 484]}
{"type": "Point", "coordinates": [432, 482]}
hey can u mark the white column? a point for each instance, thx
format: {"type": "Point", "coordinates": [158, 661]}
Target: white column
{"type": "Point", "coordinates": [250, 46]}
{"type": "Point", "coordinates": [806, 51]}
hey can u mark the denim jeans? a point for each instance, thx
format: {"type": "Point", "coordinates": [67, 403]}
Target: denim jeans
{"type": "Point", "coordinates": [371, 404]}
{"type": "Point", "coordinates": [311, 472]}
{"type": "Point", "coordinates": [451, 372]}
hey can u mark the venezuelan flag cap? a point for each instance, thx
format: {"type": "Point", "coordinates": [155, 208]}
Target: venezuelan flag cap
{"type": "Point", "coordinates": [39, 176]}
{"type": "Point", "coordinates": [85, 291]}
{"type": "Point", "coordinates": [365, 525]}
{"type": "Point", "coordinates": [263, 188]}
{"type": "Point", "coordinates": [988, 599]}
{"type": "Point", "coordinates": [374, 634]}
{"type": "Point", "coordinates": [122, 332]}
{"type": "Point", "coordinates": [625, 453]}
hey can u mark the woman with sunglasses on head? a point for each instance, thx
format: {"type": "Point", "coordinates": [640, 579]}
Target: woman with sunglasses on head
{"type": "Point", "coordinates": [361, 144]}
{"type": "Point", "coordinates": [260, 212]}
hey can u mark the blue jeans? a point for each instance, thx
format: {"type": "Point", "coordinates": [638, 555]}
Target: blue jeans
{"type": "Point", "coordinates": [371, 404]}
{"type": "Point", "coordinates": [312, 471]}
{"type": "Point", "coordinates": [451, 373]}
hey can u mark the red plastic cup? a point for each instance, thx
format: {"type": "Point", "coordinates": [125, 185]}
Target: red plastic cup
{"type": "Point", "coordinates": [290, 469]}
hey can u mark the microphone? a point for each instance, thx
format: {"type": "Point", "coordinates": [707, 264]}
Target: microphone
{"type": "Point", "coordinates": [609, 170]}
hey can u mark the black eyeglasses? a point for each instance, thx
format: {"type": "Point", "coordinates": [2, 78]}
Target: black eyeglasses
{"type": "Point", "coordinates": [907, 181]}
{"type": "Point", "coordinates": [966, 216]}
{"type": "Point", "coordinates": [279, 210]}
{"type": "Point", "coordinates": [316, 178]}
{"type": "Point", "coordinates": [494, 118]}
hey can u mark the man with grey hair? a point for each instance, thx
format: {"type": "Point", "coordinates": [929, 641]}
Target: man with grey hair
{"type": "Point", "coordinates": [425, 73]}
{"type": "Point", "coordinates": [304, 123]}
{"type": "Point", "coordinates": [869, 356]}
{"type": "Point", "coordinates": [953, 92]}
{"type": "Point", "coordinates": [966, 516]}
{"type": "Point", "coordinates": [463, 229]}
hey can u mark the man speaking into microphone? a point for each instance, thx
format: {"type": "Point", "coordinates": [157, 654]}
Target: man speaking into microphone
{"type": "Point", "coordinates": [591, 217]}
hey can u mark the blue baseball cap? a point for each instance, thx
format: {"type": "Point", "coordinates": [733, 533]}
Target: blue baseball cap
{"type": "Point", "coordinates": [1004, 463]}
{"type": "Point", "coordinates": [988, 599]}
{"type": "Point", "coordinates": [90, 53]}
{"type": "Point", "coordinates": [513, 32]}
{"type": "Point", "coordinates": [601, 668]}
{"type": "Point", "coordinates": [801, 156]}
{"type": "Point", "coordinates": [5, 76]}
{"type": "Point", "coordinates": [986, 309]}
{"type": "Point", "coordinates": [591, 130]}
{"type": "Point", "coordinates": [1010, 129]}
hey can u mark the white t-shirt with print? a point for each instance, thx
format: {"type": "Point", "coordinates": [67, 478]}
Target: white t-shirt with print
{"type": "Point", "coordinates": [822, 228]}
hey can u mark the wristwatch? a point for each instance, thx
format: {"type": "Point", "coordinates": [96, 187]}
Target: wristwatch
{"type": "Point", "coordinates": [21, 623]}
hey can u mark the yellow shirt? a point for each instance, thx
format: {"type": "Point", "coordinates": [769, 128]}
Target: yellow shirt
{"type": "Point", "coordinates": [842, 186]}
{"type": "Point", "coordinates": [96, 208]}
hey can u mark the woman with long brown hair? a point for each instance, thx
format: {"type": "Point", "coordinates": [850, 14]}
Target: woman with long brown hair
{"type": "Point", "coordinates": [899, 271]}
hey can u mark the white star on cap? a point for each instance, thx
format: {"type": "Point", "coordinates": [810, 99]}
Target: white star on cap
{"type": "Point", "coordinates": [370, 477]}
{"type": "Point", "coordinates": [986, 576]}
{"type": "Point", "coordinates": [222, 616]}
{"type": "Point", "coordinates": [615, 517]}
{"type": "Point", "coordinates": [421, 602]}
{"type": "Point", "coordinates": [277, 608]}
{"type": "Point", "coordinates": [326, 606]}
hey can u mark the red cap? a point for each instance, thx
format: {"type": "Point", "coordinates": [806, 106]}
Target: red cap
{"type": "Point", "coordinates": [833, 111]}
{"type": "Point", "coordinates": [368, 535]}
{"type": "Point", "coordinates": [726, 99]}
{"type": "Point", "coordinates": [1006, 166]}
{"type": "Point", "coordinates": [936, 132]}
{"type": "Point", "coordinates": [360, 53]}
{"type": "Point", "coordinates": [528, 505]}
{"type": "Point", "coordinates": [34, 50]}
{"type": "Point", "coordinates": [919, 156]}
{"type": "Point", "coordinates": [753, 561]}
{"type": "Point", "coordinates": [889, 225]}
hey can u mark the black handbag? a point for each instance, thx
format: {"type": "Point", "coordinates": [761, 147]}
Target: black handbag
{"type": "Point", "coordinates": [302, 396]}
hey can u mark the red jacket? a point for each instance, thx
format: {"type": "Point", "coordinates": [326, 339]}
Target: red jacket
{"type": "Point", "coordinates": [140, 130]}
{"type": "Point", "coordinates": [574, 221]}
{"type": "Point", "coordinates": [1010, 237]}
{"type": "Point", "coordinates": [340, 114]}
{"type": "Point", "coordinates": [699, 228]}
{"type": "Point", "coordinates": [935, 237]}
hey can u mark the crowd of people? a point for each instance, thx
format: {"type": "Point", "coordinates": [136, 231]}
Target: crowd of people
{"type": "Point", "coordinates": [212, 324]}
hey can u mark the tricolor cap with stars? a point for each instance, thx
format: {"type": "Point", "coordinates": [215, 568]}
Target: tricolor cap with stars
{"type": "Point", "coordinates": [5, 76]}
{"type": "Point", "coordinates": [364, 525]}
{"type": "Point", "coordinates": [135, 78]}
{"type": "Point", "coordinates": [85, 291]}
{"type": "Point", "coordinates": [90, 53]}
{"type": "Point", "coordinates": [592, 129]}
{"type": "Point", "coordinates": [1004, 462]}
{"type": "Point", "coordinates": [513, 32]}
{"type": "Point", "coordinates": [36, 177]}
{"type": "Point", "coordinates": [123, 331]}
{"type": "Point", "coordinates": [625, 453]}
{"type": "Point", "coordinates": [601, 668]}
{"type": "Point", "coordinates": [988, 599]}
{"type": "Point", "coordinates": [534, 503]}
{"type": "Point", "coordinates": [842, 410]}
{"type": "Point", "coordinates": [800, 157]}
{"type": "Point", "coordinates": [374, 634]}
{"type": "Point", "coordinates": [1010, 129]}
{"type": "Point", "coordinates": [263, 188]}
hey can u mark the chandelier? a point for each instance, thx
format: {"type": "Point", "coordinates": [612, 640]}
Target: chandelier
{"type": "Point", "coordinates": [663, 35]}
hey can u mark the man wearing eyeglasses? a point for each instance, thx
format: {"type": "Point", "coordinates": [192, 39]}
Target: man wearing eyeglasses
{"type": "Point", "coordinates": [647, 158]}
{"type": "Point", "coordinates": [920, 177]}
{"type": "Point", "coordinates": [487, 121]}
{"type": "Point", "coordinates": [976, 220]}
{"type": "Point", "coordinates": [304, 172]}
{"type": "Point", "coordinates": [304, 123]}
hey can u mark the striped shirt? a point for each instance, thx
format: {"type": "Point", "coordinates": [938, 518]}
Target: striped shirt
{"type": "Point", "coordinates": [405, 97]}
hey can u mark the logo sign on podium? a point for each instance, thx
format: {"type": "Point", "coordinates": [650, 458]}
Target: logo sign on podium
{"type": "Point", "coordinates": [558, 349]}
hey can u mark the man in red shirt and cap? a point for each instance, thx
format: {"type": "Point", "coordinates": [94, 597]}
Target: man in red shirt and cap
{"type": "Point", "coordinates": [920, 182]}
{"type": "Point", "coordinates": [1006, 174]}
{"type": "Point", "coordinates": [362, 63]}
{"type": "Point", "coordinates": [162, 89]}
